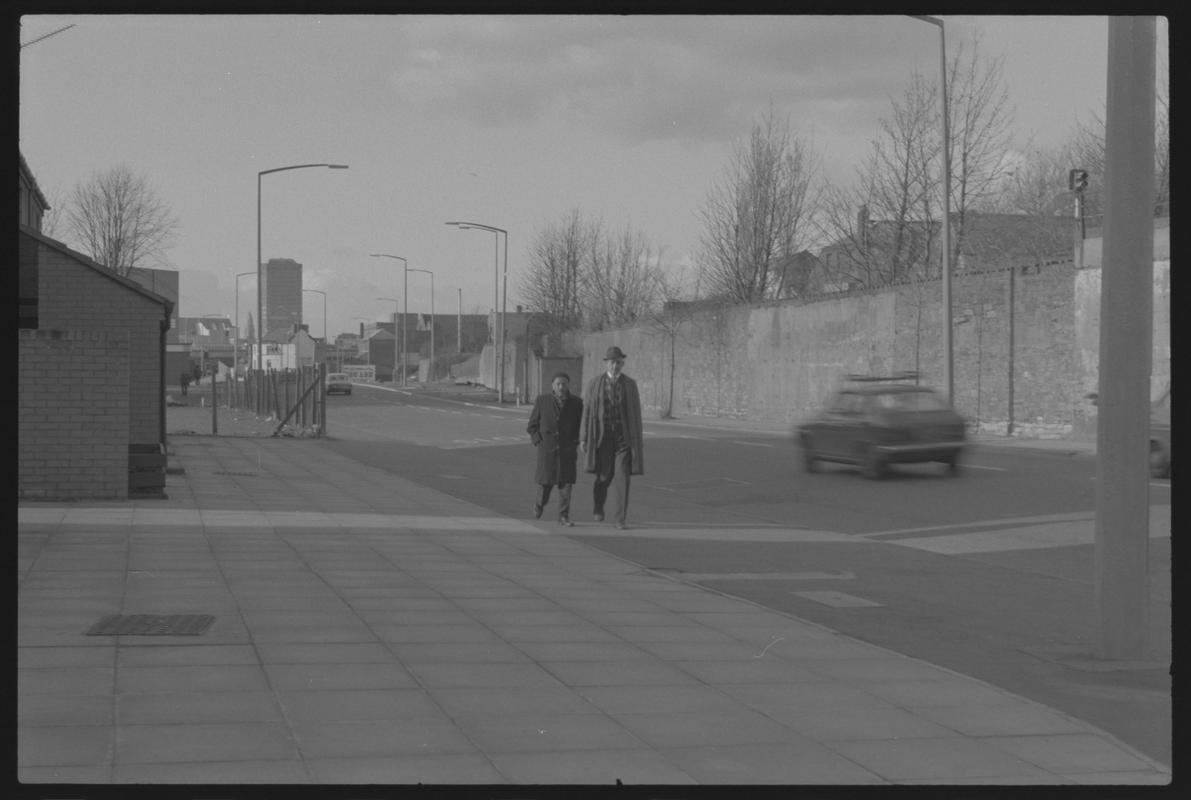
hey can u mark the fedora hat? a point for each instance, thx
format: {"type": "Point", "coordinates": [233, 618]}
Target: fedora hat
{"type": "Point", "coordinates": [614, 353]}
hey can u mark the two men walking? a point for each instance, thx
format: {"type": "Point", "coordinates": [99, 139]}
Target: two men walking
{"type": "Point", "coordinates": [610, 437]}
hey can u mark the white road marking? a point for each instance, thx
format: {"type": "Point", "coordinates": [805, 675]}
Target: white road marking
{"type": "Point", "coordinates": [1035, 537]}
{"type": "Point", "coordinates": [216, 518]}
{"type": "Point", "coordinates": [753, 444]}
{"type": "Point", "coordinates": [765, 576]}
{"type": "Point", "coordinates": [838, 599]}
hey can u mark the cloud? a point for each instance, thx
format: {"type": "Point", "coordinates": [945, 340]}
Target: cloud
{"type": "Point", "coordinates": [645, 78]}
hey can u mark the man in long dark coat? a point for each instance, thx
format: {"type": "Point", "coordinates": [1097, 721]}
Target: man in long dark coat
{"type": "Point", "coordinates": [612, 439]}
{"type": "Point", "coordinates": [554, 429]}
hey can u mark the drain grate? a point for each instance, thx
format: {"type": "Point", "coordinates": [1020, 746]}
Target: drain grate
{"type": "Point", "coordinates": [152, 625]}
{"type": "Point", "coordinates": [237, 474]}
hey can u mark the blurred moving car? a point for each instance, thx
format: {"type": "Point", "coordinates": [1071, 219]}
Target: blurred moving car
{"type": "Point", "coordinates": [338, 382]}
{"type": "Point", "coordinates": [877, 421]}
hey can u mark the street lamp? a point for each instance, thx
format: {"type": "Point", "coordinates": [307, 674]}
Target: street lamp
{"type": "Point", "coordinates": [947, 349]}
{"type": "Point", "coordinates": [404, 342]}
{"type": "Point", "coordinates": [431, 274]}
{"type": "Point", "coordinates": [396, 312]}
{"type": "Point", "coordinates": [260, 324]}
{"type": "Point", "coordinates": [236, 326]}
{"type": "Point", "coordinates": [464, 226]}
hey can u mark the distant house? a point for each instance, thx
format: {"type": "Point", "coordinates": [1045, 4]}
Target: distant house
{"type": "Point", "coordinates": [801, 274]}
{"type": "Point", "coordinates": [879, 252]}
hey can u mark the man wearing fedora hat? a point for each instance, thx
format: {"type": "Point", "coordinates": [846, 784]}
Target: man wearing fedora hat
{"type": "Point", "coordinates": [611, 437]}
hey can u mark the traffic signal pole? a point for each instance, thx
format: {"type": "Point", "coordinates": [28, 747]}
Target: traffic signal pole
{"type": "Point", "coordinates": [1126, 344]}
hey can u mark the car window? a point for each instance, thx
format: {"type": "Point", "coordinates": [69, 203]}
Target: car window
{"type": "Point", "coordinates": [922, 400]}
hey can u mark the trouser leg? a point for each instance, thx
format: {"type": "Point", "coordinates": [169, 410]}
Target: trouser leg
{"type": "Point", "coordinates": [605, 470]}
{"type": "Point", "coordinates": [620, 483]}
{"type": "Point", "coordinates": [543, 494]}
{"type": "Point", "coordinates": [564, 499]}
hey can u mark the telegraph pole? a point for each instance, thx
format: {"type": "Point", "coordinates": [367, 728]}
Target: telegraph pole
{"type": "Point", "coordinates": [1126, 344]}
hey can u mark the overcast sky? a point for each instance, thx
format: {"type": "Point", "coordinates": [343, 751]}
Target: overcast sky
{"type": "Point", "coordinates": [505, 121]}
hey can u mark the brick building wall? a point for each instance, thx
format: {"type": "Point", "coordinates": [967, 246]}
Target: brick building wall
{"type": "Point", "coordinates": [73, 414]}
{"type": "Point", "coordinates": [74, 297]}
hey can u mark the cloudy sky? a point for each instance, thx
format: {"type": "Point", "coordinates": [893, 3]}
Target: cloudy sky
{"type": "Point", "coordinates": [508, 121]}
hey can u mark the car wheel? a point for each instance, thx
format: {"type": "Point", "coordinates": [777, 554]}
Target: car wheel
{"type": "Point", "coordinates": [808, 454]}
{"type": "Point", "coordinates": [872, 466]}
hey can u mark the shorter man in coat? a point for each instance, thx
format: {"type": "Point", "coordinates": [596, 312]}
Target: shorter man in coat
{"type": "Point", "coordinates": [612, 439]}
{"type": "Point", "coordinates": [554, 430]}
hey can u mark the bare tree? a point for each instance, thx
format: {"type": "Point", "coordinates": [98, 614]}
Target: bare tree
{"type": "Point", "coordinates": [884, 230]}
{"type": "Point", "coordinates": [759, 212]}
{"type": "Point", "coordinates": [668, 323]}
{"type": "Point", "coordinates": [980, 123]}
{"type": "Point", "coordinates": [118, 219]}
{"type": "Point", "coordinates": [557, 264]}
{"type": "Point", "coordinates": [1035, 184]}
{"type": "Point", "coordinates": [880, 227]}
{"type": "Point", "coordinates": [620, 285]}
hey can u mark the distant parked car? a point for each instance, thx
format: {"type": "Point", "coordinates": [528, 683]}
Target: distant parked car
{"type": "Point", "coordinates": [338, 382]}
{"type": "Point", "coordinates": [1160, 437]}
{"type": "Point", "coordinates": [1159, 434]}
{"type": "Point", "coordinates": [875, 421]}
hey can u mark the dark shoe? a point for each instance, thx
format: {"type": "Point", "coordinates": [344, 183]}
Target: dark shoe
{"type": "Point", "coordinates": [621, 526]}
{"type": "Point", "coordinates": [537, 511]}
{"type": "Point", "coordinates": [599, 516]}
{"type": "Point", "coordinates": [566, 521]}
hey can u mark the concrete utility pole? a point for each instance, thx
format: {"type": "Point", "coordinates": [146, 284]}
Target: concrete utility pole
{"type": "Point", "coordinates": [1126, 342]}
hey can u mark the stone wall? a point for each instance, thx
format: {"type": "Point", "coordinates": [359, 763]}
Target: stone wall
{"type": "Point", "coordinates": [1024, 350]}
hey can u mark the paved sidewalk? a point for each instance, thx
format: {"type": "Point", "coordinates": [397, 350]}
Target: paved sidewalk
{"type": "Point", "coordinates": [370, 630]}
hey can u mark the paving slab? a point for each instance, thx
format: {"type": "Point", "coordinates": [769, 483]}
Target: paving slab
{"type": "Point", "coordinates": [413, 637]}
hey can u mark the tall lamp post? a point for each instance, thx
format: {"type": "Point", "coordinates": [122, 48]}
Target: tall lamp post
{"type": "Point", "coordinates": [500, 391]}
{"type": "Point", "coordinates": [405, 293]}
{"type": "Point", "coordinates": [236, 326]}
{"type": "Point", "coordinates": [396, 312]}
{"type": "Point", "coordinates": [430, 373]}
{"type": "Point", "coordinates": [947, 349]}
{"type": "Point", "coordinates": [260, 295]}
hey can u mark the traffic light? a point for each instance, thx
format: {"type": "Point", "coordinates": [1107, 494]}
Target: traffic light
{"type": "Point", "coordinates": [1077, 180]}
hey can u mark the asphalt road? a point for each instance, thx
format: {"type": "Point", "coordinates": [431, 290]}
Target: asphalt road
{"type": "Point", "coordinates": [984, 573]}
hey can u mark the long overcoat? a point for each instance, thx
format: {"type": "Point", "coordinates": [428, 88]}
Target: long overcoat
{"type": "Point", "coordinates": [630, 414]}
{"type": "Point", "coordinates": [555, 433]}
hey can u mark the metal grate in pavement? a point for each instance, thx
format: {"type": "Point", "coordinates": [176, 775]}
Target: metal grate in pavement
{"type": "Point", "coordinates": [152, 625]}
{"type": "Point", "coordinates": [236, 474]}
